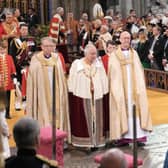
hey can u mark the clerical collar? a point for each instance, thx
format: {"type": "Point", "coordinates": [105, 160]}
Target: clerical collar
{"type": "Point", "coordinates": [47, 56]}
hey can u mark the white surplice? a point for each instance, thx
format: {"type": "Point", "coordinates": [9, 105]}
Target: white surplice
{"type": "Point", "coordinates": [140, 133]}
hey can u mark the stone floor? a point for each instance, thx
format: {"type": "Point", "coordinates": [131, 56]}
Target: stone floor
{"type": "Point", "coordinates": [76, 158]}
{"type": "Point", "coordinates": [153, 154]}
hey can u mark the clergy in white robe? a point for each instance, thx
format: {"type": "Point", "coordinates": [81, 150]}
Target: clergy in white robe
{"type": "Point", "coordinates": [127, 87]}
{"type": "Point", "coordinates": [40, 87]}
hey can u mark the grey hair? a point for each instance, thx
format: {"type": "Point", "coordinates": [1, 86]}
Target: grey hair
{"type": "Point", "coordinates": [59, 9]}
{"type": "Point", "coordinates": [8, 12]}
{"type": "Point", "coordinates": [88, 46]}
{"type": "Point", "coordinates": [26, 132]}
{"type": "Point", "coordinates": [47, 38]}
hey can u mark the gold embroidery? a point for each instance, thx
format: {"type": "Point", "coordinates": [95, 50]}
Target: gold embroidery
{"type": "Point", "coordinates": [52, 61]}
{"type": "Point", "coordinates": [125, 61]}
{"type": "Point", "coordinates": [3, 71]}
{"type": "Point", "coordinates": [90, 72]}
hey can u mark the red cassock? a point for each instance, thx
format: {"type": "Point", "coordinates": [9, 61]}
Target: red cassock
{"type": "Point", "coordinates": [24, 78]}
{"type": "Point", "coordinates": [57, 29]}
{"type": "Point", "coordinates": [2, 31]}
{"type": "Point", "coordinates": [7, 69]}
{"type": "Point", "coordinates": [105, 60]}
{"type": "Point", "coordinates": [77, 116]}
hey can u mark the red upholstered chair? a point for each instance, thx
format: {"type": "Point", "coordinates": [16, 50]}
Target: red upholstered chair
{"type": "Point", "coordinates": [45, 148]}
{"type": "Point", "coordinates": [128, 157]}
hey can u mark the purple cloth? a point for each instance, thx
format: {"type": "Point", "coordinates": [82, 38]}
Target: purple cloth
{"type": "Point", "coordinates": [125, 140]}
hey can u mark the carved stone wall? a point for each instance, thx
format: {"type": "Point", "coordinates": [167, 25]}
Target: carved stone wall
{"type": "Point", "coordinates": [75, 6]}
{"type": "Point", "coordinates": [46, 8]}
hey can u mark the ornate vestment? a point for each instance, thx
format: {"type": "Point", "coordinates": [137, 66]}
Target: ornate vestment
{"type": "Point", "coordinates": [57, 29]}
{"type": "Point", "coordinates": [39, 91]}
{"type": "Point", "coordinates": [122, 97]}
{"type": "Point", "coordinates": [87, 87]}
{"type": "Point", "coordinates": [9, 29]}
{"type": "Point", "coordinates": [7, 69]}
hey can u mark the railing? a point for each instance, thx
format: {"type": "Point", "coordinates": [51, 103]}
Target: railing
{"type": "Point", "coordinates": [156, 80]}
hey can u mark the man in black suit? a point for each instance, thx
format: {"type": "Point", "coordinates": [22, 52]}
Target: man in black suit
{"type": "Point", "coordinates": [165, 51]}
{"type": "Point", "coordinates": [26, 135]}
{"type": "Point", "coordinates": [155, 50]}
{"type": "Point", "coordinates": [21, 48]}
{"type": "Point", "coordinates": [32, 19]}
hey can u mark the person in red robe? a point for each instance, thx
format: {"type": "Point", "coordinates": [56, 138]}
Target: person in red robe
{"type": "Point", "coordinates": [57, 27]}
{"type": "Point", "coordinates": [7, 72]}
{"type": "Point", "coordinates": [110, 47]}
{"type": "Point", "coordinates": [9, 28]}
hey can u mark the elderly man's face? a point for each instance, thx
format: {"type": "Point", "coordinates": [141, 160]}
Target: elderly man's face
{"type": "Point", "coordinates": [125, 39]}
{"type": "Point", "coordinates": [91, 54]}
{"type": "Point", "coordinates": [48, 47]}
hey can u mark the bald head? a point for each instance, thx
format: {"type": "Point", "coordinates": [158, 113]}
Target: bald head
{"type": "Point", "coordinates": [113, 158]}
{"type": "Point", "coordinates": [125, 39]}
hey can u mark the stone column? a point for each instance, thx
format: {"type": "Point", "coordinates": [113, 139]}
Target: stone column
{"type": "Point", "coordinates": [137, 6]}
{"type": "Point", "coordinates": [42, 11]}
{"type": "Point", "coordinates": [140, 7]}
{"type": "Point", "coordinates": [54, 5]}
{"type": "Point", "coordinates": [125, 6]}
